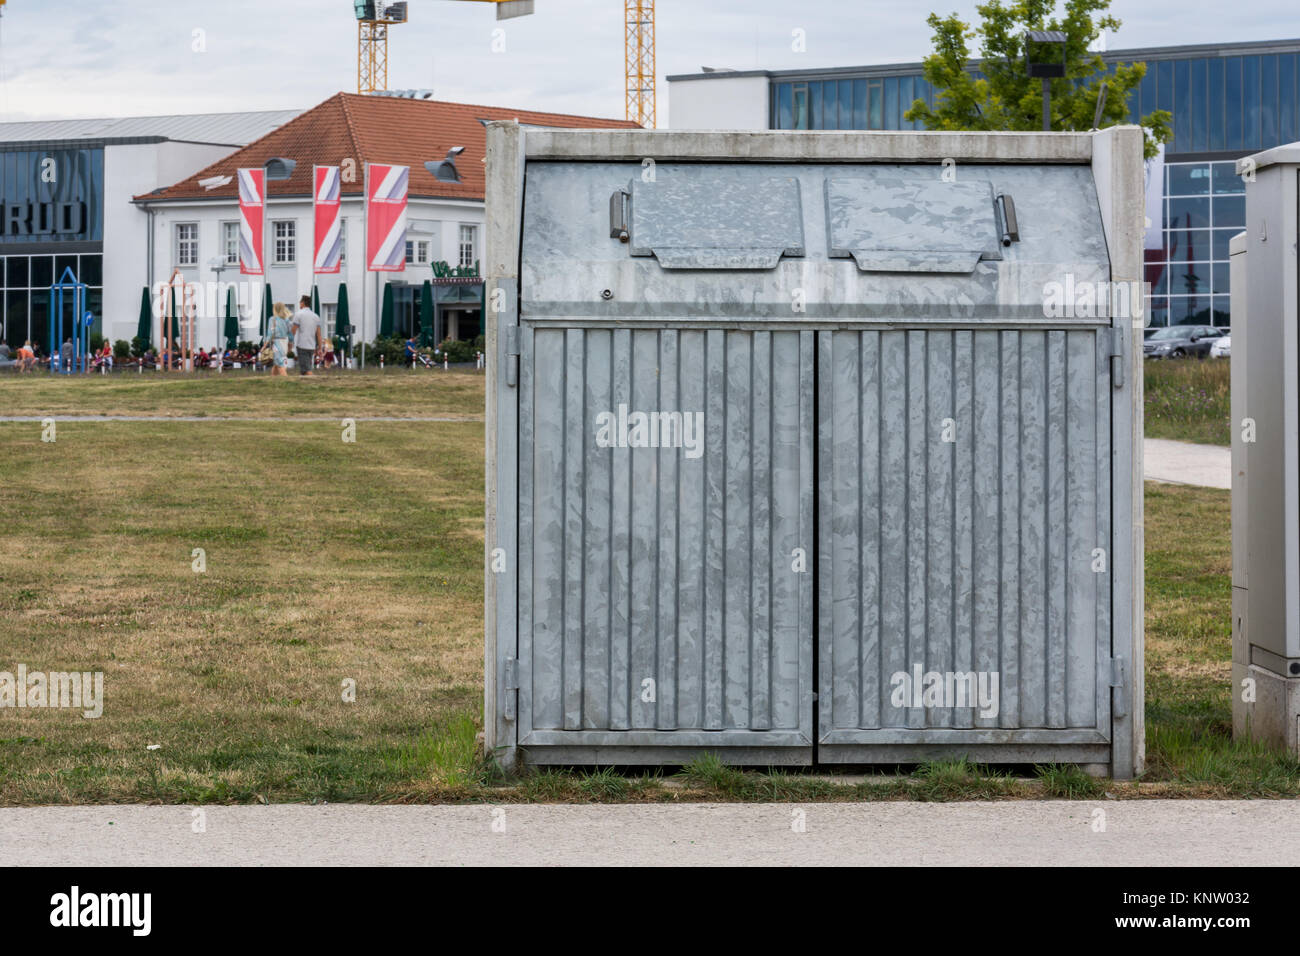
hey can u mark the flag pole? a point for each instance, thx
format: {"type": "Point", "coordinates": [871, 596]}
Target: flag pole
{"type": "Point", "coordinates": [315, 195]}
{"type": "Point", "coordinates": [365, 256]}
{"type": "Point", "coordinates": [266, 263]}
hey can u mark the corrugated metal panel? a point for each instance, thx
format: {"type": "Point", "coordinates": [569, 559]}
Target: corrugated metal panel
{"type": "Point", "coordinates": [656, 564]}
{"type": "Point", "coordinates": [234, 129]}
{"type": "Point", "coordinates": [964, 484]}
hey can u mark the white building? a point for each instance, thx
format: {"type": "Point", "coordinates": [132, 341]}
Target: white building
{"type": "Point", "coordinates": [194, 223]}
{"type": "Point", "coordinates": [65, 203]}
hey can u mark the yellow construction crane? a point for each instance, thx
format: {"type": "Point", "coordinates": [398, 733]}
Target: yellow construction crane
{"type": "Point", "coordinates": [639, 55]}
{"type": "Point", "coordinates": [374, 17]}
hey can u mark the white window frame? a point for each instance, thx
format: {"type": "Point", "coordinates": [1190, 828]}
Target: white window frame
{"type": "Point", "coordinates": [229, 249]}
{"type": "Point", "coordinates": [186, 250]}
{"type": "Point", "coordinates": [417, 252]}
{"type": "Point", "coordinates": [467, 252]}
{"type": "Point", "coordinates": [287, 242]}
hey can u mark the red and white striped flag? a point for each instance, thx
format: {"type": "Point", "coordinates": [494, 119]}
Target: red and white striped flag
{"type": "Point", "coordinates": [252, 206]}
{"type": "Point", "coordinates": [328, 252]}
{"type": "Point", "coordinates": [386, 217]}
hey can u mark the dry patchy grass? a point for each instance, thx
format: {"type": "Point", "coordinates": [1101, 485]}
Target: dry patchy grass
{"type": "Point", "coordinates": [351, 394]}
{"type": "Point", "coordinates": [325, 561]}
{"type": "Point", "coordinates": [328, 561]}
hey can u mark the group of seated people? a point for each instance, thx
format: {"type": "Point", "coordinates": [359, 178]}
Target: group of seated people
{"type": "Point", "coordinates": [28, 357]}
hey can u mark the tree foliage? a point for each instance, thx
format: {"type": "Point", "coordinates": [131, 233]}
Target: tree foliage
{"type": "Point", "coordinates": [1006, 97]}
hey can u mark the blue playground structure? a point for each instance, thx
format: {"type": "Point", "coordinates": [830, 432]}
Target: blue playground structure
{"type": "Point", "coordinates": [80, 326]}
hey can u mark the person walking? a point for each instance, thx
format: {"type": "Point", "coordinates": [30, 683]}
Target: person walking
{"type": "Point", "coordinates": [279, 335]}
{"type": "Point", "coordinates": [308, 342]}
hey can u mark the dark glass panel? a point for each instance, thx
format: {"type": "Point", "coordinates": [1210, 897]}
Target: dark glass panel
{"type": "Point", "coordinates": [1221, 284]}
{"type": "Point", "coordinates": [1157, 312]}
{"type": "Point", "coordinates": [1230, 211]}
{"type": "Point", "coordinates": [1189, 213]}
{"type": "Point", "coordinates": [800, 119]}
{"type": "Point", "coordinates": [1287, 104]}
{"type": "Point", "coordinates": [1165, 96]}
{"type": "Point", "coordinates": [846, 105]}
{"type": "Point", "coordinates": [1198, 104]}
{"type": "Point", "coordinates": [893, 117]}
{"type": "Point", "coordinates": [784, 105]}
{"type": "Point", "coordinates": [1226, 179]}
{"type": "Point", "coordinates": [1250, 101]}
{"type": "Point", "coordinates": [92, 270]}
{"type": "Point", "coordinates": [1189, 278]}
{"type": "Point", "coordinates": [42, 271]}
{"type": "Point", "coordinates": [1218, 123]}
{"type": "Point", "coordinates": [1182, 112]}
{"type": "Point", "coordinates": [61, 265]}
{"type": "Point", "coordinates": [16, 272]}
{"type": "Point", "coordinates": [1189, 245]}
{"type": "Point", "coordinates": [40, 319]}
{"type": "Point", "coordinates": [1233, 108]}
{"type": "Point", "coordinates": [906, 88]}
{"type": "Point", "coordinates": [1145, 94]}
{"type": "Point", "coordinates": [1267, 101]}
{"type": "Point", "coordinates": [1157, 275]}
{"type": "Point", "coordinates": [1222, 311]}
{"type": "Point", "coordinates": [815, 106]}
{"type": "Point", "coordinates": [923, 91]}
{"type": "Point", "coordinates": [1188, 179]}
{"type": "Point", "coordinates": [1188, 309]}
{"type": "Point", "coordinates": [860, 102]}
{"type": "Point", "coordinates": [16, 314]}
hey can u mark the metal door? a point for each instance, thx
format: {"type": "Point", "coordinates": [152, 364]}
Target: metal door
{"type": "Point", "coordinates": [666, 586]}
{"type": "Point", "coordinates": [964, 528]}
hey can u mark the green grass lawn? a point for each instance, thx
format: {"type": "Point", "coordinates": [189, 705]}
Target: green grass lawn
{"type": "Point", "coordinates": [1188, 400]}
{"type": "Point", "coordinates": [328, 562]}
{"type": "Point", "coordinates": [351, 394]}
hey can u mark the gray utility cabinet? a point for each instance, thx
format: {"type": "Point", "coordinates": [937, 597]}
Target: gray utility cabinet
{"type": "Point", "coordinates": [792, 459]}
{"type": "Point", "coordinates": [1266, 453]}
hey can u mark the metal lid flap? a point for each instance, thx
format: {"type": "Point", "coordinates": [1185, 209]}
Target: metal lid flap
{"type": "Point", "coordinates": [716, 217]}
{"type": "Point", "coordinates": [912, 225]}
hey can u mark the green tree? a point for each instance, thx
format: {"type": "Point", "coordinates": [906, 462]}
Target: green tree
{"type": "Point", "coordinates": [1007, 98]}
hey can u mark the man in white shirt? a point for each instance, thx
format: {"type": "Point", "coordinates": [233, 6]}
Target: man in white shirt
{"type": "Point", "coordinates": [308, 342]}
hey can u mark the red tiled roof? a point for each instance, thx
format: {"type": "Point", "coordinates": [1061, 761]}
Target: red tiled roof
{"type": "Point", "coordinates": [376, 129]}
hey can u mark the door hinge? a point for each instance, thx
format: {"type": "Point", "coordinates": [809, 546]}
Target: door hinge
{"type": "Point", "coordinates": [1118, 681]}
{"type": "Point", "coordinates": [510, 682]}
{"type": "Point", "coordinates": [1117, 337]}
{"type": "Point", "coordinates": [512, 355]}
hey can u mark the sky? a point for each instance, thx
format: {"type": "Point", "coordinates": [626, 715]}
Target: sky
{"type": "Point", "coordinates": [88, 58]}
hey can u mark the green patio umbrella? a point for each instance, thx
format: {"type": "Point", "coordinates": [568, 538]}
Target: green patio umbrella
{"type": "Point", "coordinates": [144, 331]}
{"type": "Point", "coordinates": [386, 316]}
{"type": "Point", "coordinates": [315, 299]}
{"type": "Point", "coordinates": [232, 320]}
{"type": "Point", "coordinates": [266, 310]}
{"type": "Point", "coordinates": [426, 314]}
{"type": "Point", "coordinates": [342, 320]}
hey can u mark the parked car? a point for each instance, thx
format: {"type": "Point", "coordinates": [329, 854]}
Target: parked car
{"type": "Point", "coordinates": [1222, 348]}
{"type": "Point", "coordinates": [1178, 341]}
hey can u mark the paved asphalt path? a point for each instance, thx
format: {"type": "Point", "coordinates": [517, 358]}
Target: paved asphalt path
{"type": "Point", "coordinates": [1136, 833]}
{"type": "Point", "coordinates": [1185, 463]}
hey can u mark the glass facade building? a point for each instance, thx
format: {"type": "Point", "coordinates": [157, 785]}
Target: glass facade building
{"type": "Point", "coordinates": [51, 220]}
{"type": "Point", "coordinates": [1227, 101]}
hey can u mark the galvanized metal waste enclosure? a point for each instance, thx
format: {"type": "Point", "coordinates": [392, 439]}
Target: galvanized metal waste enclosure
{"type": "Point", "coordinates": [814, 448]}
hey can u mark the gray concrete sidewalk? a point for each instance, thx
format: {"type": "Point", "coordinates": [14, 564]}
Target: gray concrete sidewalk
{"type": "Point", "coordinates": [1186, 463]}
{"type": "Point", "coordinates": [1136, 833]}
